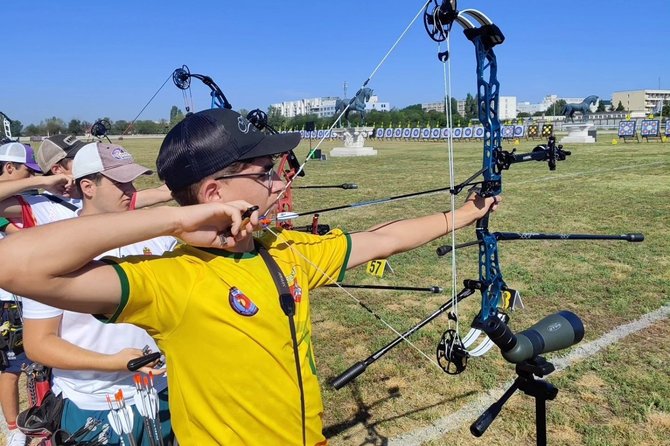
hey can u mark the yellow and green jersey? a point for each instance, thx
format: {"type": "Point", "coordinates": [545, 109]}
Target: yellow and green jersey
{"type": "Point", "coordinates": [216, 316]}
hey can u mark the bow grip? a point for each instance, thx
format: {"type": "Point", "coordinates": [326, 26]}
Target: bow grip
{"type": "Point", "coordinates": [137, 363]}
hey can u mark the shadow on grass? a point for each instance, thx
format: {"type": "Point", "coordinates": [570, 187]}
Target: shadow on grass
{"type": "Point", "coordinates": [364, 416]}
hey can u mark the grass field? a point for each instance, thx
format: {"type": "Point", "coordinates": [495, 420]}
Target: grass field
{"type": "Point", "coordinates": [620, 395]}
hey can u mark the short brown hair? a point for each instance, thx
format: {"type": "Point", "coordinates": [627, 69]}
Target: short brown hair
{"type": "Point", "coordinates": [95, 177]}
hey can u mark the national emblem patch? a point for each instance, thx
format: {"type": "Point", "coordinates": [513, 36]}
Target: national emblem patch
{"type": "Point", "coordinates": [240, 303]}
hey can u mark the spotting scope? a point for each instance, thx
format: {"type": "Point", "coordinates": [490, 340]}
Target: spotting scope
{"type": "Point", "coordinates": [555, 332]}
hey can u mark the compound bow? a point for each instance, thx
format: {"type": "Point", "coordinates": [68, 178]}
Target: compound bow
{"type": "Point", "coordinates": [497, 298]}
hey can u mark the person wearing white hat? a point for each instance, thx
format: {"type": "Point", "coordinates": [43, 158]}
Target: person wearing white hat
{"type": "Point", "coordinates": [17, 162]}
{"type": "Point", "coordinates": [89, 358]}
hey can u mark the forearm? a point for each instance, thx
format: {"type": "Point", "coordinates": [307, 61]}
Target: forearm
{"type": "Point", "coordinates": [390, 238]}
{"type": "Point", "coordinates": [403, 235]}
{"type": "Point", "coordinates": [53, 351]}
{"type": "Point", "coordinates": [150, 197]}
{"type": "Point", "coordinates": [15, 187]}
{"type": "Point", "coordinates": [46, 252]}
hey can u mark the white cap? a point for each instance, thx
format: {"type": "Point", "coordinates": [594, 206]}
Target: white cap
{"type": "Point", "coordinates": [111, 160]}
{"type": "Point", "coordinates": [13, 151]}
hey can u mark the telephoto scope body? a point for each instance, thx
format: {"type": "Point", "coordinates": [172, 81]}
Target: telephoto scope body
{"type": "Point", "coordinates": [555, 332]}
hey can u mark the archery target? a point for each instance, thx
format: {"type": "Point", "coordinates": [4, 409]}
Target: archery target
{"type": "Point", "coordinates": [649, 128]}
{"type": "Point", "coordinates": [626, 128]}
{"type": "Point", "coordinates": [320, 134]}
{"type": "Point", "coordinates": [435, 133]}
{"type": "Point", "coordinates": [416, 132]}
{"type": "Point", "coordinates": [327, 134]}
{"type": "Point", "coordinates": [425, 133]}
{"type": "Point", "coordinates": [379, 133]}
{"type": "Point", "coordinates": [458, 132]}
{"type": "Point", "coordinates": [518, 131]}
{"type": "Point", "coordinates": [302, 134]}
{"type": "Point", "coordinates": [479, 132]}
{"type": "Point", "coordinates": [446, 131]}
{"type": "Point", "coordinates": [388, 133]}
{"type": "Point", "coordinates": [533, 131]}
{"type": "Point", "coordinates": [397, 133]}
{"type": "Point", "coordinates": [467, 132]}
{"type": "Point", "coordinates": [406, 132]}
{"type": "Point", "coordinates": [508, 131]}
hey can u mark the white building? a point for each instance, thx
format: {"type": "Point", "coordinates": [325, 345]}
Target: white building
{"type": "Point", "coordinates": [374, 104]}
{"type": "Point", "coordinates": [506, 107]}
{"type": "Point", "coordinates": [643, 101]}
{"type": "Point", "coordinates": [323, 107]}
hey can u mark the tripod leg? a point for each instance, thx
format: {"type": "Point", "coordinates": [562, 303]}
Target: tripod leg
{"type": "Point", "coordinates": [479, 426]}
{"type": "Point", "coordinates": [541, 420]}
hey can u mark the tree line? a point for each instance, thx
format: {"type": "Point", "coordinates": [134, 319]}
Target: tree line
{"type": "Point", "coordinates": [411, 116]}
{"type": "Point", "coordinates": [78, 127]}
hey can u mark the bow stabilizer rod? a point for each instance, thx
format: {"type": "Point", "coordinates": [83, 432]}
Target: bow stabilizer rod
{"type": "Point", "coordinates": [431, 289]}
{"type": "Point", "coordinates": [633, 237]}
{"type": "Point", "coordinates": [355, 370]}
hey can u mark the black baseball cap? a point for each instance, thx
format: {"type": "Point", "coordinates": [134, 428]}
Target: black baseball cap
{"type": "Point", "coordinates": [206, 142]}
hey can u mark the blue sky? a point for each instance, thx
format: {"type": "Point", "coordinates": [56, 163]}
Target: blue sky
{"type": "Point", "coordinates": [86, 60]}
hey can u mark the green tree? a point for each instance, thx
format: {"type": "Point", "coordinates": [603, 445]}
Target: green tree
{"type": "Point", "coordinates": [601, 106]}
{"type": "Point", "coordinates": [16, 127]}
{"type": "Point", "coordinates": [556, 109]}
{"type": "Point", "coordinates": [54, 126]}
{"type": "Point", "coordinates": [176, 115]}
{"type": "Point", "coordinates": [148, 127]}
{"type": "Point", "coordinates": [119, 127]}
{"type": "Point", "coordinates": [620, 107]}
{"type": "Point", "coordinates": [75, 127]}
{"type": "Point", "coordinates": [34, 130]}
{"type": "Point", "coordinates": [470, 108]}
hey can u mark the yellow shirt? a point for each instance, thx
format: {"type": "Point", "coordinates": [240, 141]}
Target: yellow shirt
{"type": "Point", "coordinates": [216, 316]}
